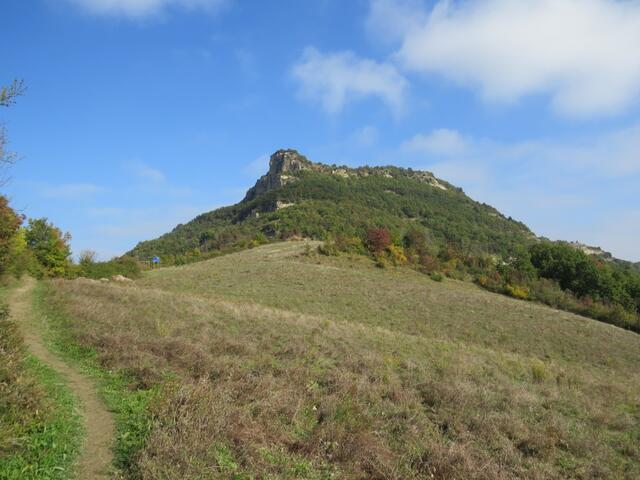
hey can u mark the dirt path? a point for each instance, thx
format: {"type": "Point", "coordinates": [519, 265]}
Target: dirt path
{"type": "Point", "coordinates": [95, 457]}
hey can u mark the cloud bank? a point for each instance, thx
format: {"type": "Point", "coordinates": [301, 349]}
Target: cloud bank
{"type": "Point", "coordinates": [581, 53]}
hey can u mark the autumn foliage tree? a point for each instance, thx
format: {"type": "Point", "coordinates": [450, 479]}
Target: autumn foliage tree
{"type": "Point", "coordinates": [378, 240]}
{"type": "Point", "coordinates": [10, 222]}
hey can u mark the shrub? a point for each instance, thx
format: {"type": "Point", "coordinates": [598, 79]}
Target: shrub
{"type": "Point", "coordinates": [516, 291]}
{"type": "Point", "coordinates": [328, 248]}
{"type": "Point", "coordinates": [397, 255]}
{"type": "Point", "coordinates": [378, 240]}
{"type": "Point", "coordinates": [382, 262]}
{"type": "Point", "coordinates": [436, 277]}
{"type": "Point", "coordinates": [428, 263]}
{"type": "Point", "coordinates": [126, 266]}
{"type": "Point", "coordinates": [538, 371]}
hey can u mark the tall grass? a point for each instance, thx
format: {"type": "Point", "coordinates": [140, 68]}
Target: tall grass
{"type": "Point", "coordinates": [288, 366]}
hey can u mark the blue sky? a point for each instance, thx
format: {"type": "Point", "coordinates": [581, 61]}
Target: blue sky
{"type": "Point", "coordinates": [140, 114]}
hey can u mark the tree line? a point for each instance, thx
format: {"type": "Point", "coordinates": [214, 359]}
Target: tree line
{"type": "Point", "coordinates": [555, 273]}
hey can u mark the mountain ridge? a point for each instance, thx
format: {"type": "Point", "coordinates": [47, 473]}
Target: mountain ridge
{"type": "Point", "coordinates": [298, 197]}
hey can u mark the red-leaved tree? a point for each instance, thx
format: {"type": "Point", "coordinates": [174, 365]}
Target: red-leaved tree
{"type": "Point", "coordinates": [378, 239]}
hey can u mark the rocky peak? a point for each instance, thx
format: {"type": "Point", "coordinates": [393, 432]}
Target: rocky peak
{"type": "Point", "coordinates": [282, 164]}
{"type": "Point", "coordinates": [287, 161]}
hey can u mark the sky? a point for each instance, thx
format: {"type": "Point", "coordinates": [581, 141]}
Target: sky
{"type": "Point", "coordinates": [141, 114]}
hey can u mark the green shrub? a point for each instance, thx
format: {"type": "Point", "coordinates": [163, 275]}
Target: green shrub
{"type": "Point", "coordinates": [436, 276]}
{"type": "Point", "coordinates": [516, 291]}
{"type": "Point", "coordinates": [126, 266]}
{"type": "Point", "coordinates": [329, 249]}
{"type": "Point", "coordinates": [397, 255]}
{"type": "Point", "coordinates": [538, 371]}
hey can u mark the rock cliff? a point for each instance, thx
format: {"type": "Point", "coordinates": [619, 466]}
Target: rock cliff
{"type": "Point", "coordinates": [282, 164]}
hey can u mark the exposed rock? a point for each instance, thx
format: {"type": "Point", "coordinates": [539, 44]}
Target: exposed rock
{"type": "Point", "coordinates": [589, 250]}
{"type": "Point", "coordinates": [121, 278]}
{"type": "Point", "coordinates": [280, 205]}
{"type": "Point", "coordinates": [280, 163]}
{"type": "Point", "coordinates": [284, 166]}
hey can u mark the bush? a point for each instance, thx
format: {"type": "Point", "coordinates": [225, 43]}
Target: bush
{"type": "Point", "coordinates": [329, 249]}
{"type": "Point", "coordinates": [378, 240]}
{"type": "Point", "coordinates": [382, 262]}
{"type": "Point", "coordinates": [397, 255]}
{"type": "Point", "coordinates": [126, 266]}
{"type": "Point", "coordinates": [516, 291]}
{"type": "Point", "coordinates": [538, 371]}
{"type": "Point", "coordinates": [428, 263]}
{"type": "Point", "coordinates": [436, 276]}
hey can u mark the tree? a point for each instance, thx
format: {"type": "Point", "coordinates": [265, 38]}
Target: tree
{"type": "Point", "coordinates": [8, 96]}
{"type": "Point", "coordinates": [88, 257]}
{"type": "Point", "coordinates": [49, 245]}
{"type": "Point", "coordinates": [378, 239]}
{"type": "Point", "coordinates": [10, 222]}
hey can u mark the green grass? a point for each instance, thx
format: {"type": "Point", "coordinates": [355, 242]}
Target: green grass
{"type": "Point", "coordinates": [285, 365]}
{"type": "Point", "coordinates": [40, 427]}
{"type": "Point", "coordinates": [49, 446]}
{"type": "Point", "coordinates": [129, 405]}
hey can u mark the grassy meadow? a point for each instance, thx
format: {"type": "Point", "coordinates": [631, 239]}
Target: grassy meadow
{"type": "Point", "coordinates": [279, 363]}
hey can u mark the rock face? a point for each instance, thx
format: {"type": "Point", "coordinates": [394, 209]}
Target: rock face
{"type": "Point", "coordinates": [284, 165]}
{"type": "Point", "coordinates": [281, 163]}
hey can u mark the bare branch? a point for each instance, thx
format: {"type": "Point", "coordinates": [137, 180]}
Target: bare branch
{"type": "Point", "coordinates": [9, 94]}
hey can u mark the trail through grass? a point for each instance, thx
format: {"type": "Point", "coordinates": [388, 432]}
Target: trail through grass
{"type": "Point", "coordinates": [95, 456]}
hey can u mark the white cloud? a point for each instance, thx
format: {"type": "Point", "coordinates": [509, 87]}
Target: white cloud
{"type": "Point", "coordinates": [581, 53]}
{"type": "Point", "coordinates": [438, 142]}
{"type": "Point", "coordinates": [142, 8]}
{"type": "Point", "coordinates": [613, 154]}
{"type": "Point", "coordinates": [71, 191]}
{"type": "Point", "coordinates": [365, 136]}
{"type": "Point", "coordinates": [584, 188]}
{"type": "Point", "coordinates": [152, 181]}
{"type": "Point", "coordinates": [391, 20]}
{"type": "Point", "coordinates": [149, 173]}
{"type": "Point", "coordinates": [335, 79]}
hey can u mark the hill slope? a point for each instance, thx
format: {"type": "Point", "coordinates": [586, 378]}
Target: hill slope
{"type": "Point", "coordinates": [291, 365]}
{"type": "Point", "coordinates": [300, 198]}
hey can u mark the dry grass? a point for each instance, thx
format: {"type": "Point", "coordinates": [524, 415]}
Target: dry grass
{"type": "Point", "coordinates": [287, 366]}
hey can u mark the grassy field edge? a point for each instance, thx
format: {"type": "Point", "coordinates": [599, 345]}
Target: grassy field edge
{"type": "Point", "coordinates": [130, 406]}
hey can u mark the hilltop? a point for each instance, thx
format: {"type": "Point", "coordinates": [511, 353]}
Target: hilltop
{"type": "Point", "coordinates": [300, 198]}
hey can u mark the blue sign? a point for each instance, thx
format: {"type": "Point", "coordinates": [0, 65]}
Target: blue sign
{"type": "Point", "coordinates": [155, 260]}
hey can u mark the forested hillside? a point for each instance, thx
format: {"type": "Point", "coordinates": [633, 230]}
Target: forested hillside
{"type": "Point", "coordinates": [301, 198]}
